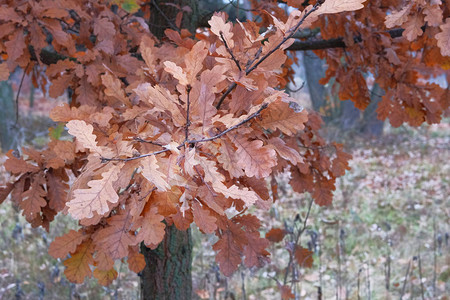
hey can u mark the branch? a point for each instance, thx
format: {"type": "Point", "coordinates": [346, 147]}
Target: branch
{"type": "Point", "coordinates": [188, 104]}
{"type": "Point", "coordinates": [249, 69]}
{"type": "Point", "coordinates": [255, 114]}
{"type": "Point", "coordinates": [337, 42]}
{"type": "Point", "coordinates": [230, 52]}
{"type": "Point", "coordinates": [165, 16]}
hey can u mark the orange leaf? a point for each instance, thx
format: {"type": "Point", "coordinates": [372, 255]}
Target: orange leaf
{"type": "Point", "coordinates": [95, 198]}
{"type": "Point", "coordinates": [136, 261]}
{"type": "Point", "coordinates": [176, 71]}
{"type": "Point", "coordinates": [150, 172]}
{"type": "Point", "coordinates": [279, 115]}
{"type": "Point", "coordinates": [152, 231]}
{"type": "Point", "coordinates": [16, 45]}
{"type": "Point", "coordinates": [203, 218]}
{"type": "Point", "coordinates": [167, 201]}
{"type": "Point", "coordinates": [256, 159]}
{"type": "Point", "coordinates": [84, 135]}
{"type": "Point", "coordinates": [18, 166]}
{"type": "Point", "coordinates": [286, 292]}
{"type": "Point", "coordinates": [113, 88]}
{"type": "Point", "coordinates": [65, 244]}
{"type": "Point", "coordinates": [115, 239]}
{"type": "Point", "coordinates": [105, 277]}
{"type": "Point", "coordinates": [443, 38]}
{"type": "Point", "coordinates": [304, 257]}
{"type": "Point", "coordinates": [78, 266]}
{"type": "Point", "coordinates": [34, 198]}
{"type": "Point", "coordinates": [220, 26]}
{"type": "Point", "coordinates": [276, 235]}
{"type": "Point", "coordinates": [323, 192]}
{"type": "Point", "coordinates": [286, 152]}
{"type": "Point", "coordinates": [4, 72]}
{"type": "Point", "coordinates": [229, 247]}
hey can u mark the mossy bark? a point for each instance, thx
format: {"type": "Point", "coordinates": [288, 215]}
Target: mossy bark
{"type": "Point", "coordinates": [167, 275]}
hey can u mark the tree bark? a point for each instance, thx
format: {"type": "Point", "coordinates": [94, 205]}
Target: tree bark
{"type": "Point", "coordinates": [167, 274]}
{"type": "Point", "coordinates": [314, 71]}
{"type": "Point", "coordinates": [373, 126]}
{"type": "Point", "coordinates": [7, 116]}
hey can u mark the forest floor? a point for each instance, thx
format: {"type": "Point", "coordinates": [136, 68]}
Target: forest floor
{"type": "Point", "coordinates": [385, 236]}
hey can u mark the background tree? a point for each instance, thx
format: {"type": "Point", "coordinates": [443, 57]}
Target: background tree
{"type": "Point", "coordinates": [180, 131]}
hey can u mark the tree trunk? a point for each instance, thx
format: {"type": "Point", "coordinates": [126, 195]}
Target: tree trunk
{"type": "Point", "coordinates": [314, 71]}
{"type": "Point", "coordinates": [167, 274]}
{"type": "Point", "coordinates": [7, 116]}
{"type": "Point", "coordinates": [373, 127]}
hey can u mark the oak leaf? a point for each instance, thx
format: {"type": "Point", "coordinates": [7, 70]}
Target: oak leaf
{"type": "Point", "coordinates": [16, 45]}
{"type": "Point", "coordinates": [220, 26]}
{"type": "Point", "coordinates": [33, 199]}
{"type": "Point", "coordinates": [84, 135]}
{"type": "Point", "coordinates": [337, 6]}
{"type": "Point", "coordinates": [276, 235]}
{"type": "Point", "coordinates": [116, 238]}
{"type": "Point", "coordinates": [443, 38]}
{"type": "Point", "coordinates": [229, 248]}
{"type": "Point", "coordinates": [113, 88]}
{"type": "Point", "coordinates": [286, 152]}
{"type": "Point", "coordinates": [4, 72]}
{"type": "Point", "coordinates": [203, 218]}
{"type": "Point", "coordinates": [176, 71]}
{"type": "Point", "coordinates": [105, 277]}
{"type": "Point", "coordinates": [18, 166]}
{"type": "Point", "coordinates": [255, 158]}
{"type": "Point", "coordinates": [152, 231]}
{"type": "Point", "coordinates": [95, 199]}
{"type": "Point", "coordinates": [136, 261]}
{"type": "Point", "coordinates": [279, 115]}
{"type": "Point", "coordinates": [150, 172]}
{"type": "Point", "coordinates": [78, 266]}
{"type": "Point", "coordinates": [65, 244]}
{"type": "Point", "coordinates": [304, 257]}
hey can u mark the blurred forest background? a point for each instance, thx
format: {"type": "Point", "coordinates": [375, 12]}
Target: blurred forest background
{"type": "Point", "coordinates": [385, 236]}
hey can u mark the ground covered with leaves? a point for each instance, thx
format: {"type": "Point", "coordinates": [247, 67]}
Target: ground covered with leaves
{"type": "Point", "coordinates": [386, 235]}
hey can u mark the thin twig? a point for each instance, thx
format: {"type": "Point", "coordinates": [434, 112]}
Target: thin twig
{"type": "Point", "coordinates": [169, 22]}
{"type": "Point", "coordinates": [420, 275]}
{"type": "Point", "coordinates": [359, 283]}
{"type": "Point", "coordinates": [404, 282]}
{"type": "Point", "coordinates": [255, 114]}
{"type": "Point", "coordinates": [296, 240]}
{"type": "Point", "coordinates": [139, 139]}
{"type": "Point", "coordinates": [294, 30]}
{"type": "Point", "coordinates": [18, 93]}
{"type": "Point", "coordinates": [228, 91]}
{"type": "Point", "coordinates": [250, 69]}
{"type": "Point", "coordinates": [434, 256]}
{"type": "Point", "coordinates": [188, 104]}
{"type": "Point", "coordinates": [229, 51]}
{"type": "Point", "coordinates": [369, 293]}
